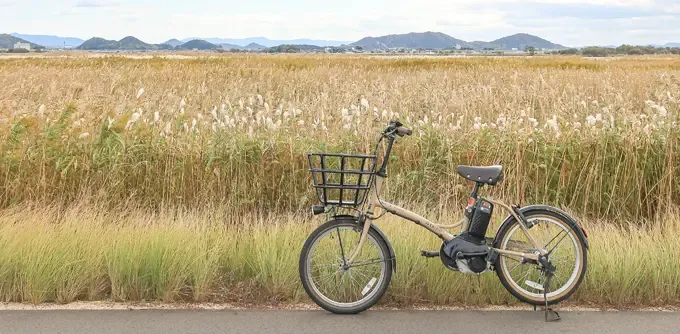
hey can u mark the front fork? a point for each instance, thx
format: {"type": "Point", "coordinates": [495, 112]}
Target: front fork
{"type": "Point", "coordinates": [365, 217]}
{"type": "Point", "coordinates": [364, 236]}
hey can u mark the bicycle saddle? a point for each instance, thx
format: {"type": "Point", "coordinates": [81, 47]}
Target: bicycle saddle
{"type": "Point", "coordinates": [489, 175]}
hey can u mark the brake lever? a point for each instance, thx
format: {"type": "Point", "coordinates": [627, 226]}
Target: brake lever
{"type": "Point", "coordinates": [391, 133]}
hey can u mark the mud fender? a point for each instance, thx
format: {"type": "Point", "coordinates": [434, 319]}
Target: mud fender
{"type": "Point", "coordinates": [567, 218]}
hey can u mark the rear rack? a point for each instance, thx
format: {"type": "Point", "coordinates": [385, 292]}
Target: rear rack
{"type": "Point", "coordinates": [342, 179]}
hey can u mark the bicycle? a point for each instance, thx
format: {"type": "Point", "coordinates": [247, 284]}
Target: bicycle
{"type": "Point", "coordinates": [347, 263]}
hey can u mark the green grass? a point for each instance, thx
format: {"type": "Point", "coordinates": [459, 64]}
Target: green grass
{"type": "Point", "coordinates": [51, 255]}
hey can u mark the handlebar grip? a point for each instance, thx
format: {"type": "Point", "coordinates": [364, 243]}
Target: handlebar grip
{"type": "Point", "coordinates": [402, 131]}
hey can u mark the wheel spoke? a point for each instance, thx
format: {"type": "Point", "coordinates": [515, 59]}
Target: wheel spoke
{"type": "Point", "coordinates": [565, 235]}
{"type": "Point", "coordinates": [342, 250]}
{"type": "Point", "coordinates": [560, 275]}
{"type": "Point", "coordinates": [365, 263]}
{"type": "Point", "coordinates": [553, 239]}
{"type": "Point", "coordinates": [524, 277]}
{"type": "Point", "coordinates": [518, 265]}
{"type": "Point", "coordinates": [509, 257]}
{"type": "Point", "coordinates": [327, 277]}
{"type": "Point", "coordinates": [362, 274]}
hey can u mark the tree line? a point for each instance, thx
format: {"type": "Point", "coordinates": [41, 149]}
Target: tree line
{"type": "Point", "coordinates": [600, 51]}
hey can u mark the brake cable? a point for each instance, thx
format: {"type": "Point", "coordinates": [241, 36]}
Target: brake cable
{"type": "Point", "coordinates": [377, 195]}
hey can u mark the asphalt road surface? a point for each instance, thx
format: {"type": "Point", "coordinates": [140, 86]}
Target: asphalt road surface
{"type": "Point", "coordinates": [256, 321]}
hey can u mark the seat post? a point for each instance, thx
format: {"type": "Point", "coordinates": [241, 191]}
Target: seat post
{"type": "Point", "coordinates": [475, 190]}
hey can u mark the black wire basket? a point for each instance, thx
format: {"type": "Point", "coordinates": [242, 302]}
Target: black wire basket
{"type": "Point", "coordinates": [342, 179]}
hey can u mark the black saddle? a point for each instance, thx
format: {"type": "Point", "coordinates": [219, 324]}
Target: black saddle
{"type": "Point", "coordinates": [489, 175]}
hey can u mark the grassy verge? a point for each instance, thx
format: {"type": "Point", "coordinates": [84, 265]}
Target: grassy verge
{"type": "Point", "coordinates": [51, 255]}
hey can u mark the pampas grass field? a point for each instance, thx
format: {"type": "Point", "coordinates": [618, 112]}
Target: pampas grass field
{"type": "Point", "coordinates": [186, 179]}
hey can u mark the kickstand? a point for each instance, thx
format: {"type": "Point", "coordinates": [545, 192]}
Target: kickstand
{"type": "Point", "coordinates": [550, 314]}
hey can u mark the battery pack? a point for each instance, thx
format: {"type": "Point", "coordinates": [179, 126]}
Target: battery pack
{"type": "Point", "coordinates": [480, 218]}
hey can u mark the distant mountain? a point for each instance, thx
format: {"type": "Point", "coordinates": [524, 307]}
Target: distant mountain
{"type": "Point", "coordinates": [228, 46]}
{"type": "Point", "coordinates": [255, 46]}
{"type": "Point", "coordinates": [50, 41]}
{"type": "Point", "coordinates": [672, 45]}
{"type": "Point", "coordinates": [129, 43]}
{"type": "Point", "coordinates": [98, 43]}
{"type": "Point", "coordinates": [438, 41]}
{"type": "Point", "coordinates": [521, 41]}
{"type": "Point", "coordinates": [7, 42]}
{"type": "Point", "coordinates": [133, 43]}
{"type": "Point", "coordinates": [197, 44]}
{"type": "Point", "coordinates": [424, 40]}
{"type": "Point", "coordinates": [174, 42]}
{"type": "Point", "coordinates": [481, 45]}
{"type": "Point", "coordinates": [308, 48]}
{"type": "Point", "coordinates": [269, 42]}
{"type": "Point", "coordinates": [294, 48]}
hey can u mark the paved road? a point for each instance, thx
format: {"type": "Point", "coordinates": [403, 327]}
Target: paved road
{"type": "Point", "coordinates": [202, 321]}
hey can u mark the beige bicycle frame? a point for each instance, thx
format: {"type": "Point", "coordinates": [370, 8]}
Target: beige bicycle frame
{"type": "Point", "coordinates": [439, 230]}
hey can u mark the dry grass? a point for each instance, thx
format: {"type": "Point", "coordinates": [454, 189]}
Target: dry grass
{"type": "Point", "coordinates": [598, 137]}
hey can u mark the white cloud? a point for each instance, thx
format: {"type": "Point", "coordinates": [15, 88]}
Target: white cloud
{"type": "Point", "coordinates": [97, 3]}
{"type": "Point", "coordinates": [570, 22]}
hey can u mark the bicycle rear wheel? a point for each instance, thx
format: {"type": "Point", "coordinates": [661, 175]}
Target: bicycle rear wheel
{"type": "Point", "coordinates": [567, 252]}
{"type": "Point", "coordinates": [334, 284]}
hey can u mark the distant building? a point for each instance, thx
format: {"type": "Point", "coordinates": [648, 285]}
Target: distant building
{"type": "Point", "coordinates": [458, 46]}
{"type": "Point", "coordinates": [25, 46]}
{"type": "Point", "coordinates": [332, 49]}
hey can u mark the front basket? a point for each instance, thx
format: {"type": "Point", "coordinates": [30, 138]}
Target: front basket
{"type": "Point", "coordinates": [342, 179]}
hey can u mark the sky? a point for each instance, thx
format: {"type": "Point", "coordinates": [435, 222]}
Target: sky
{"type": "Point", "coordinates": [567, 22]}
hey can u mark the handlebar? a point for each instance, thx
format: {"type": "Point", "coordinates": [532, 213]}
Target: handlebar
{"type": "Point", "coordinates": [402, 131]}
{"type": "Point", "coordinates": [398, 128]}
{"type": "Point", "coordinates": [395, 127]}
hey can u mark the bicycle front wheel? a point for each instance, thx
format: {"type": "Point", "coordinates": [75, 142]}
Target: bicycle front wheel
{"type": "Point", "coordinates": [337, 285]}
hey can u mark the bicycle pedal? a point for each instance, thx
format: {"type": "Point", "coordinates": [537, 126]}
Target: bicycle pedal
{"type": "Point", "coordinates": [426, 253]}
